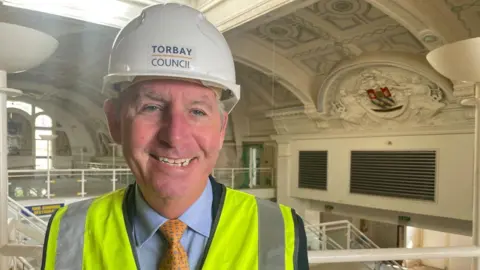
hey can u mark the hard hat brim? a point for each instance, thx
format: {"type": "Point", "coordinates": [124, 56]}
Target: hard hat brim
{"type": "Point", "coordinates": [229, 100]}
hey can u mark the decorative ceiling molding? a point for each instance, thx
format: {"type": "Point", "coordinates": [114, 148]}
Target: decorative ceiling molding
{"type": "Point", "coordinates": [317, 37]}
{"type": "Point", "coordinates": [401, 12]}
{"type": "Point", "coordinates": [408, 62]}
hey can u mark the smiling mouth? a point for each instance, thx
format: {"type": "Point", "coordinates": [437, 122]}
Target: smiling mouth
{"type": "Point", "coordinates": [182, 162]}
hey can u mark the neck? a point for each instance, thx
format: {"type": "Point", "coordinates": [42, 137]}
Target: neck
{"type": "Point", "coordinates": [170, 207]}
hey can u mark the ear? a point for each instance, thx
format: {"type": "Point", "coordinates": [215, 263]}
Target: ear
{"type": "Point", "coordinates": [223, 129]}
{"type": "Point", "coordinates": [113, 119]}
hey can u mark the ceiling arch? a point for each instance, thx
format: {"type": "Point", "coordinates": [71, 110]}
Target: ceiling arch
{"type": "Point", "coordinates": [42, 91]}
{"type": "Point", "coordinates": [259, 58]}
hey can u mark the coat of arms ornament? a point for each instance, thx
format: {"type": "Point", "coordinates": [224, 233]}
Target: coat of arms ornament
{"type": "Point", "coordinates": [376, 96]}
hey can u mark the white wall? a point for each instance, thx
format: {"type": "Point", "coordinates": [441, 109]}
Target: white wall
{"type": "Point", "coordinates": [454, 173]}
{"type": "Point", "coordinates": [440, 239]}
{"type": "Point", "coordinates": [434, 239]}
{"type": "Point", "coordinates": [459, 263]}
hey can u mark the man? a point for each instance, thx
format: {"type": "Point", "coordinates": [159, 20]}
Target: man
{"type": "Point", "coordinates": [175, 78]}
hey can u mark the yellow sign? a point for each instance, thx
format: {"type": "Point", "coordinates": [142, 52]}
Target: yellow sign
{"type": "Point", "coordinates": [40, 210]}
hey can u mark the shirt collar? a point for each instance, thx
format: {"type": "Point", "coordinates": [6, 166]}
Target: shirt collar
{"type": "Point", "coordinates": [198, 216]}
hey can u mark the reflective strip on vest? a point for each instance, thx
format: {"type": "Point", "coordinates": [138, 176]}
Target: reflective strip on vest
{"type": "Point", "coordinates": [65, 239]}
{"type": "Point", "coordinates": [70, 240]}
{"type": "Point", "coordinates": [251, 234]}
{"type": "Point", "coordinates": [271, 236]}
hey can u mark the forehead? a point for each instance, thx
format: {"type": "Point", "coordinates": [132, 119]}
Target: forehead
{"type": "Point", "coordinates": [172, 89]}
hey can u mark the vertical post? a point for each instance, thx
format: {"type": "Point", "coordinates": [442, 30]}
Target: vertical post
{"type": "Point", "coordinates": [476, 178]}
{"type": "Point", "coordinates": [49, 139]}
{"type": "Point", "coordinates": [81, 156]}
{"type": "Point", "coordinates": [324, 237]}
{"type": "Point", "coordinates": [3, 169]}
{"type": "Point", "coordinates": [349, 234]}
{"type": "Point", "coordinates": [48, 169]}
{"type": "Point", "coordinates": [83, 183]}
{"type": "Point", "coordinates": [233, 178]}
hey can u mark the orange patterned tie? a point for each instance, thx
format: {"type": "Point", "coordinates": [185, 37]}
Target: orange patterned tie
{"type": "Point", "coordinates": [175, 257]}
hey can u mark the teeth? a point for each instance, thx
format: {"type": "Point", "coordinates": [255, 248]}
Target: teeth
{"type": "Point", "coordinates": [175, 162]}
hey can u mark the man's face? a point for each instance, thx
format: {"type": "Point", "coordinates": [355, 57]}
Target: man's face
{"type": "Point", "coordinates": [171, 133]}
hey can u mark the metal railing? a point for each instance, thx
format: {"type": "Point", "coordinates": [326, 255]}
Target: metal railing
{"type": "Point", "coordinates": [25, 231]}
{"type": "Point", "coordinates": [347, 233]}
{"type": "Point", "coordinates": [25, 216]}
{"type": "Point", "coordinates": [29, 184]}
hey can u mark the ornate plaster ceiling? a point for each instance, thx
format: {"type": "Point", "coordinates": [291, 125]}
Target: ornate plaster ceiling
{"type": "Point", "coordinates": [318, 36]}
{"type": "Point", "coordinates": [467, 13]}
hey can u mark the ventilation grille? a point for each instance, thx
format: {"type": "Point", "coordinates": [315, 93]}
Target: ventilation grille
{"type": "Point", "coordinates": [401, 174]}
{"type": "Point", "coordinates": [312, 170]}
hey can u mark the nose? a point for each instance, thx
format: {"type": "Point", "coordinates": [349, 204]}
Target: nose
{"type": "Point", "coordinates": [173, 129]}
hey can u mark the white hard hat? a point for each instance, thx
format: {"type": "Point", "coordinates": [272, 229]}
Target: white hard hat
{"type": "Point", "coordinates": [173, 41]}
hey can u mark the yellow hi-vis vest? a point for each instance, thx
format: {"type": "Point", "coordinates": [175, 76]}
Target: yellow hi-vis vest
{"type": "Point", "coordinates": [250, 234]}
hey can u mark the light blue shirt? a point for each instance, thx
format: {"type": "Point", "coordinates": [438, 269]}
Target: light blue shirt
{"type": "Point", "coordinates": [150, 243]}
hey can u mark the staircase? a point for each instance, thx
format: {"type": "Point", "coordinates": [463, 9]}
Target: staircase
{"type": "Point", "coordinates": [343, 235]}
{"type": "Point", "coordinates": [26, 237]}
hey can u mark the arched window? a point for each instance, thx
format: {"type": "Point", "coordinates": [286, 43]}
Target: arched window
{"type": "Point", "coordinates": [43, 126]}
{"type": "Point", "coordinates": [43, 121]}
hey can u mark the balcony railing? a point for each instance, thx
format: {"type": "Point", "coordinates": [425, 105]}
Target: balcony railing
{"type": "Point", "coordinates": [30, 184]}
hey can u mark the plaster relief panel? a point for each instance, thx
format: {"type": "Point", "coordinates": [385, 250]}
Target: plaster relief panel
{"type": "Point", "coordinates": [388, 97]}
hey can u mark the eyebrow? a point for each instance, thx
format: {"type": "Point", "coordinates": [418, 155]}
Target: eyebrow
{"type": "Point", "coordinates": [203, 100]}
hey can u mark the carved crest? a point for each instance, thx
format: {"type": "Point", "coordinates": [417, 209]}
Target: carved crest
{"type": "Point", "coordinates": [383, 100]}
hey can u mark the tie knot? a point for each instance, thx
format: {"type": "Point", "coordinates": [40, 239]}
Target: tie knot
{"type": "Point", "coordinates": [173, 230]}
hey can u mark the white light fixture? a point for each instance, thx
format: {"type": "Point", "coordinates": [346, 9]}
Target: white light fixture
{"type": "Point", "coordinates": [21, 49]}
{"type": "Point", "coordinates": [460, 61]}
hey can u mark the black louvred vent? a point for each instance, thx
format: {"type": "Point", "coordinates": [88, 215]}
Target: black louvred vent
{"type": "Point", "coordinates": [400, 174]}
{"type": "Point", "coordinates": [312, 169]}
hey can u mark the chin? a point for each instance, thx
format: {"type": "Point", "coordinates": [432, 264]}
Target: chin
{"type": "Point", "coordinates": [166, 186]}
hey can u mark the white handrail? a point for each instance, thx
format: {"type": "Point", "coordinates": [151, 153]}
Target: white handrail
{"type": "Point", "coordinates": [124, 170]}
{"type": "Point", "coordinates": [29, 218]}
{"type": "Point", "coordinates": [24, 262]}
{"type": "Point", "coordinates": [389, 254]}
{"type": "Point", "coordinates": [78, 182]}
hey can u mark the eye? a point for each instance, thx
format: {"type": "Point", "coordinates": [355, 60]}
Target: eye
{"type": "Point", "coordinates": [151, 108]}
{"type": "Point", "coordinates": [197, 112]}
